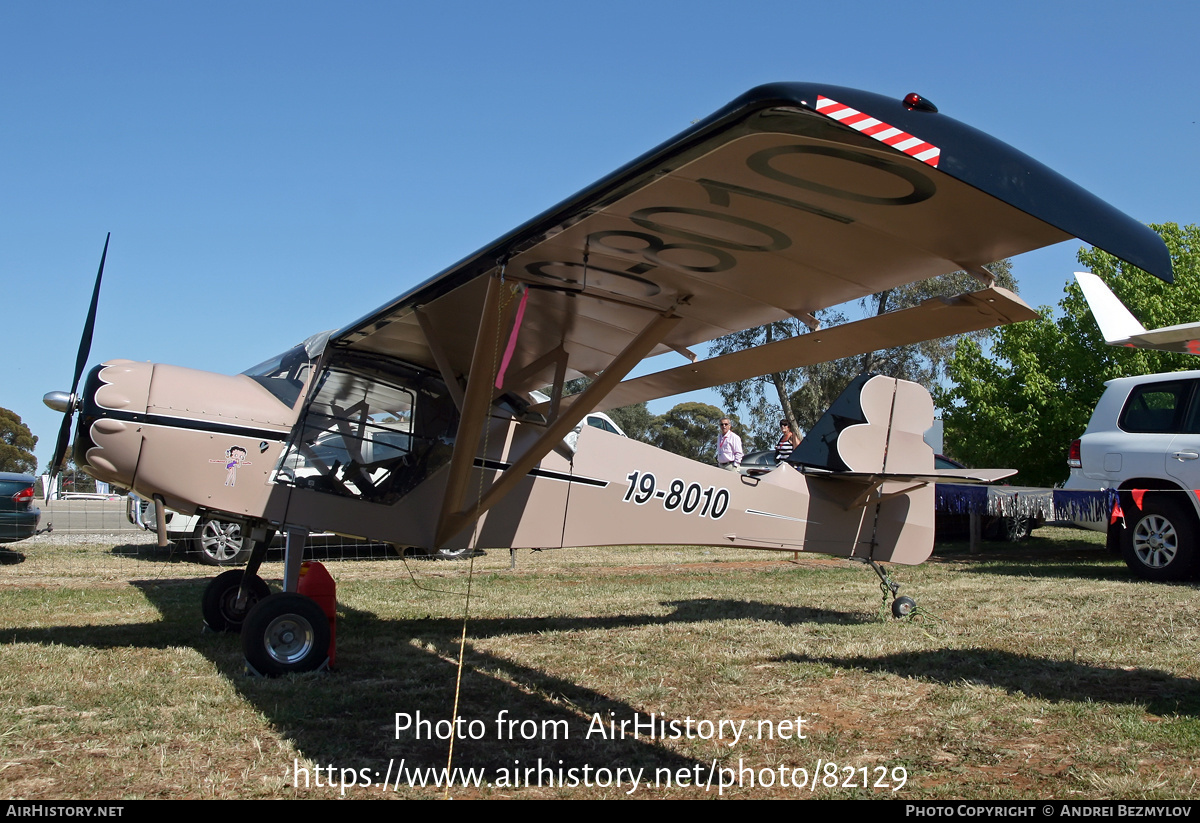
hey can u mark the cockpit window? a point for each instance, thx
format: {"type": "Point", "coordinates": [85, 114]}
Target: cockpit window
{"type": "Point", "coordinates": [372, 430]}
{"type": "Point", "coordinates": [283, 375]}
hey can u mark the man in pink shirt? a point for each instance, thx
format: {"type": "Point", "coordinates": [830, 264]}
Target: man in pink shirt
{"type": "Point", "coordinates": [729, 447]}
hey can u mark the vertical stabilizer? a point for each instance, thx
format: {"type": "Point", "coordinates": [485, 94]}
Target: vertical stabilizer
{"type": "Point", "coordinates": [1116, 323]}
{"type": "Point", "coordinates": [874, 427]}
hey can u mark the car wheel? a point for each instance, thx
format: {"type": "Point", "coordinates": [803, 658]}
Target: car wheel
{"type": "Point", "coordinates": [286, 633]}
{"type": "Point", "coordinates": [1160, 541]}
{"type": "Point", "coordinates": [219, 605]}
{"type": "Point", "coordinates": [455, 554]}
{"type": "Point", "coordinates": [1016, 529]}
{"type": "Point", "coordinates": [221, 542]}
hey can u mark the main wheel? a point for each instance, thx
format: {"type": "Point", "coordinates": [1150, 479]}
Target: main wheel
{"type": "Point", "coordinates": [221, 542]}
{"type": "Point", "coordinates": [286, 633]}
{"type": "Point", "coordinates": [1160, 541]}
{"type": "Point", "coordinates": [219, 605]}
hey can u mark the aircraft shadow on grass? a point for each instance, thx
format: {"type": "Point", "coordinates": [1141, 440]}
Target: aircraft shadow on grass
{"type": "Point", "coordinates": [409, 666]}
{"type": "Point", "coordinates": [1058, 681]}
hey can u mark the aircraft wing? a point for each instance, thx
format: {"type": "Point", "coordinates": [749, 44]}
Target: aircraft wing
{"type": "Point", "coordinates": [793, 198]}
{"type": "Point", "coordinates": [1120, 328]}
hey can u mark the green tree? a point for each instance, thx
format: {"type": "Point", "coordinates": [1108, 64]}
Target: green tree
{"type": "Point", "coordinates": [691, 430]}
{"type": "Point", "coordinates": [16, 444]}
{"type": "Point", "coordinates": [803, 394]}
{"type": "Point", "coordinates": [1020, 404]}
{"type": "Point", "coordinates": [636, 421]}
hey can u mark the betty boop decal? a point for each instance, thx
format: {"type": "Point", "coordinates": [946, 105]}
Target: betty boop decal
{"type": "Point", "coordinates": [234, 456]}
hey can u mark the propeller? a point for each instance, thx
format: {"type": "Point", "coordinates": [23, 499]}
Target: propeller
{"type": "Point", "coordinates": [68, 403]}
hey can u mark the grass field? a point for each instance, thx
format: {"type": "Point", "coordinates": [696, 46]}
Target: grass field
{"type": "Point", "coordinates": [1042, 670]}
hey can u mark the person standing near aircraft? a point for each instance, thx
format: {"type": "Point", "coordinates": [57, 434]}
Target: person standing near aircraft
{"type": "Point", "coordinates": [788, 442]}
{"type": "Point", "coordinates": [729, 447]}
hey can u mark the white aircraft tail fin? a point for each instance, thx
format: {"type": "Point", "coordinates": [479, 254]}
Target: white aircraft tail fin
{"type": "Point", "coordinates": [1116, 323]}
{"type": "Point", "coordinates": [1120, 328]}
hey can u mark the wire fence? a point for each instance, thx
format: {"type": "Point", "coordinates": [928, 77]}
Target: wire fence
{"type": "Point", "coordinates": [111, 519]}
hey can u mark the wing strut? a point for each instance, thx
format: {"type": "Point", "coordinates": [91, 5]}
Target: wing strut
{"type": "Point", "coordinates": [556, 357]}
{"type": "Point", "coordinates": [440, 358]}
{"type": "Point", "coordinates": [478, 397]}
{"type": "Point", "coordinates": [454, 518]}
{"type": "Point", "coordinates": [936, 317]}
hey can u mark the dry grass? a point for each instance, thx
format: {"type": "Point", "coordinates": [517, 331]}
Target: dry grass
{"type": "Point", "coordinates": [1042, 670]}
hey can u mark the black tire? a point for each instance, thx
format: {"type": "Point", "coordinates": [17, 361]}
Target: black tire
{"type": "Point", "coordinates": [286, 633]}
{"type": "Point", "coordinates": [456, 554]}
{"type": "Point", "coordinates": [903, 607]}
{"type": "Point", "coordinates": [1159, 543]}
{"type": "Point", "coordinates": [1113, 538]}
{"type": "Point", "coordinates": [218, 606]}
{"type": "Point", "coordinates": [1016, 529]}
{"type": "Point", "coordinates": [221, 542]}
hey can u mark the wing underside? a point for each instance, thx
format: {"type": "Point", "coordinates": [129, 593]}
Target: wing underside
{"type": "Point", "coordinates": [771, 209]}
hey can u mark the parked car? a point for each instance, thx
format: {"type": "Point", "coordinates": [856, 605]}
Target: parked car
{"type": "Point", "coordinates": [18, 516]}
{"type": "Point", "coordinates": [216, 542]}
{"type": "Point", "coordinates": [1143, 439]}
{"type": "Point", "coordinates": [947, 525]}
{"type": "Point", "coordinates": [758, 463]}
{"type": "Point", "coordinates": [598, 420]}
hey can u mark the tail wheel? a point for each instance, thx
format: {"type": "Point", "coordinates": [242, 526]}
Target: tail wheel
{"type": "Point", "coordinates": [220, 606]}
{"type": "Point", "coordinates": [286, 633]}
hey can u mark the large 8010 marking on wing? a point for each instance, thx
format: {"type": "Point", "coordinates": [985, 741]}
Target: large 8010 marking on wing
{"type": "Point", "coordinates": [421, 423]}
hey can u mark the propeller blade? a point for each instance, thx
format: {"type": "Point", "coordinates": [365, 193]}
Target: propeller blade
{"type": "Point", "coordinates": [85, 342]}
{"type": "Point", "coordinates": [60, 447]}
{"type": "Point", "coordinates": [81, 357]}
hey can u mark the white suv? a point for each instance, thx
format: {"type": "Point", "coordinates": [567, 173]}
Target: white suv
{"type": "Point", "coordinates": [1144, 440]}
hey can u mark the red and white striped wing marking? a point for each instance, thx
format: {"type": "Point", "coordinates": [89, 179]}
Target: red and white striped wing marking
{"type": "Point", "coordinates": [881, 131]}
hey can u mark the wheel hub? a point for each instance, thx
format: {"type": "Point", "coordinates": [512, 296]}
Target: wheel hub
{"type": "Point", "coordinates": [288, 638]}
{"type": "Point", "coordinates": [1155, 541]}
{"type": "Point", "coordinates": [221, 541]}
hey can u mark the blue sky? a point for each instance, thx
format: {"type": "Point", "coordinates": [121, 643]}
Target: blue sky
{"type": "Point", "coordinates": [272, 169]}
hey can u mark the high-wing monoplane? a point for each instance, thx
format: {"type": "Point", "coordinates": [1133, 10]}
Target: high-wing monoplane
{"type": "Point", "coordinates": [418, 424]}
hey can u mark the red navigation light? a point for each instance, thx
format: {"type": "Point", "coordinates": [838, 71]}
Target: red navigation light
{"type": "Point", "coordinates": [912, 100]}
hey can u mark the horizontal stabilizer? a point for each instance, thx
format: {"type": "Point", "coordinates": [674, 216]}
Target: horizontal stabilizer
{"type": "Point", "coordinates": [973, 475]}
{"type": "Point", "coordinates": [936, 317]}
{"type": "Point", "coordinates": [1120, 328]}
{"type": "Point", "coordinates": [959, 476]}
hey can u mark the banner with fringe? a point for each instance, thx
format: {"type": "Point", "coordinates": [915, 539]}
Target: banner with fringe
{"type": "Point", "coordinates": [1019, 501]}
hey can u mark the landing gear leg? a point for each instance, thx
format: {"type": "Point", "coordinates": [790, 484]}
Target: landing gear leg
{"type": "Point", "coordinates": [901, 606]}
{"type": "Point", "coordinates": [261, 536]}
{"type": "Point", "coordinates": [293, 556]}
{"type": "Point", "coordinates": [287, 632]}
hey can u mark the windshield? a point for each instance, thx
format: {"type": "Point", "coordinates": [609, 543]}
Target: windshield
{"type": "Point", "coordinates": [284, 374]}
{"type": "Point", "coordinates": [374, 429]}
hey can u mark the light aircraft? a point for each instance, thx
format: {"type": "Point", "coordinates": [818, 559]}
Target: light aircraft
{"type": "Point", "coordinates": [1119, 327]}
{"type": "Point", "coordinates": [416, 425]}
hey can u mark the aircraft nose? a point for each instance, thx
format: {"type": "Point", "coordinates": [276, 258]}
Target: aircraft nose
{"type": "Point", "coordinates": [112, 406]}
